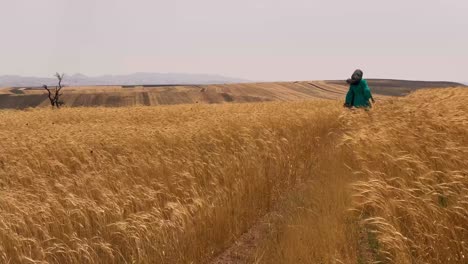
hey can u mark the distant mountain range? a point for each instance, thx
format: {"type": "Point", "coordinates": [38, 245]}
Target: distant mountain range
{"type": "Point", "coordinates": [141, 78]}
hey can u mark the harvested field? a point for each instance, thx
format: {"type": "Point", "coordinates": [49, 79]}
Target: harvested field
{"type": "Point", "coordinates": [147, 95]}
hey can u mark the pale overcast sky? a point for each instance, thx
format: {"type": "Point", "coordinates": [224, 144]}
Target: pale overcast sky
{"type": "Point", "coordinates": [251, 39]}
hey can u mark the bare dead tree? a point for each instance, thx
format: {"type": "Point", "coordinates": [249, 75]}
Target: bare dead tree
{"type": "Point", "coordinates": [54, 95]}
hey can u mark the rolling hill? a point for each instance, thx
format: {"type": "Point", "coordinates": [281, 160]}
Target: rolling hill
{"type": "Point", "coordinates": [129, 95]}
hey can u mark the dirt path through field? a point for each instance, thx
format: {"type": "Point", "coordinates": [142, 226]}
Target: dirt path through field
{"type": "Point", "coordinates": [319, 208]}
{"type": "Point", "coordinates": [311, 224]}
{"type": "Point", "coordinates": [244, 250]}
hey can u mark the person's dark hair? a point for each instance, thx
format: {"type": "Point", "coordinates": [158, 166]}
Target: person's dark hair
{"type": "Point", "coordinates": [356, 77]}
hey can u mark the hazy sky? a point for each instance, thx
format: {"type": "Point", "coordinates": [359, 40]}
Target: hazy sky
{"type": "Point", "coordinates": [252, 39]}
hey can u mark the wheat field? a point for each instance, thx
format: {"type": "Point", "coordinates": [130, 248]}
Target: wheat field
{"type": "Point", "coordinates": [180, 184]}
{"type": "Point", "coordinates": [146, 184]}
{"type": "Point", "coordinates": [393, 189]}
{"type": "Point", "coordinates": [413, 200]}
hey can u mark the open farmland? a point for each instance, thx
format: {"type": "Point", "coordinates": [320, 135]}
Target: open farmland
{"type": "Point", "coordinates": [121, 96]}
{"type": "Point", "coordinates": [182, 184]}
{"type": "Point", "coordinates": [151, 95]}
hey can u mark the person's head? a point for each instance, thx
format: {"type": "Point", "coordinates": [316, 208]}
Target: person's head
{"type": "Point", "coordinates": [356, 77]}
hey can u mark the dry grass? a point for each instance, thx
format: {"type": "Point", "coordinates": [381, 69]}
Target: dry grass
{"type": "Point", "coordinates": [413, 156]}
{"type": "Point", "coordinates": [315, 226]}
{"type": "Point", "coordinates": [148, 185]}
{"type": "Point", "coordinates": [179, 184]}
{"type": "Point", "coordinates": [403, 170]}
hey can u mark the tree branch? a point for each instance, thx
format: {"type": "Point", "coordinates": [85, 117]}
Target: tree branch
{"type": "Point", "coordinates": [49, 95]}
{"type": "Point", "coordinates": [55, 98]}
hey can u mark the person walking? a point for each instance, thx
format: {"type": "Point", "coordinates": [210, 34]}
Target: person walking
{"type": "Point", "coordinates": [359, 94]}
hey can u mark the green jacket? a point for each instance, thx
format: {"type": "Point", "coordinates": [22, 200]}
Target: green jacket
{"type": "Point", "coordinates": [359, 95]}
